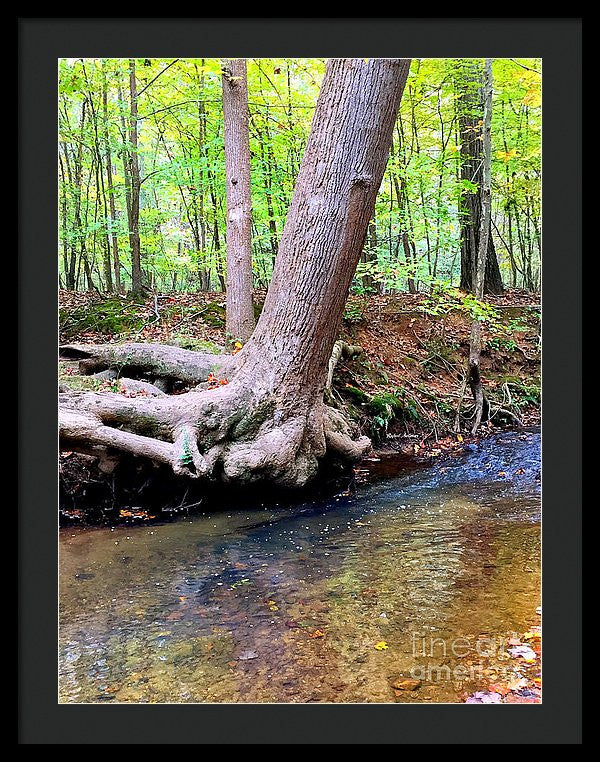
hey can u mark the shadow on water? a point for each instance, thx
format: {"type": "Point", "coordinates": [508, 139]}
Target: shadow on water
{"type": "Point", "coordinates": [289, 603]}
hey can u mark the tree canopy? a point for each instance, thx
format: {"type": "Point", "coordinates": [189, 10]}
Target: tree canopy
{"type": "Point", "coordinates": [414, 237]}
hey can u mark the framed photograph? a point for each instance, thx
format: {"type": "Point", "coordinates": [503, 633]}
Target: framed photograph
{"type": "Point", "coordinates": [283, 288]}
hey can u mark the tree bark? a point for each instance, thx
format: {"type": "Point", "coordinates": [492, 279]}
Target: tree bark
{"type": "Point", "coordinates": [470, 120]}
{"type": "Point", "coordinates": [240, 312]}
{"type": "Point", "coordinates": [267, 419]}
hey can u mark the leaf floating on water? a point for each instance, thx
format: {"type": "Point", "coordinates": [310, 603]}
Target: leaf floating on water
{"type": "Point", "coordinates": [247, 655]}
{"type": "Point", "coordinates": [484, 697]}
{"type": "Point", "coordinates": [523, 652]}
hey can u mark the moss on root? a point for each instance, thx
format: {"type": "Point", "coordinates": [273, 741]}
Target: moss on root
{"type": "Point", "coordinates": [196, 345]}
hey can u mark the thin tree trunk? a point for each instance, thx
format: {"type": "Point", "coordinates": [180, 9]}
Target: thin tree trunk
{"type": "Point", "coordinates": [134, 173]}
{"type": "Point", "coordinates": [481, 404]}
{"type": "Point", "coordinates": [64, 222]}
{"type": "Point", "coordinates": [100, 190]}
{"type": "Point", "coordinates": [216, 237]}
{"type": "Point", "coordinates": [201, 224]}
{"type": "Point", "coordinates": [240, 312]}
{"type": "Point", "coordinates": [109, 186]}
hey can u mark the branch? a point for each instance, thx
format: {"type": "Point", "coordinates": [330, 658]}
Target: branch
{"type": "Point", "coordinates": [168, 66]}
{"type": "Point", "coordinates": [527, 68]}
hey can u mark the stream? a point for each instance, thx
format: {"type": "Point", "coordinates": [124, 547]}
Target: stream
{"type": "Point", "coordinates": [416, 577]}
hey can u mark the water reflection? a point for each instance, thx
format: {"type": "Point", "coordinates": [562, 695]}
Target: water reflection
{"type": "Point", "coordinates": [263, 605]}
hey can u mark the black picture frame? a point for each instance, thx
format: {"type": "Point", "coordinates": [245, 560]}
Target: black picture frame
{"type": "Point", "coordinates": [41, 42]}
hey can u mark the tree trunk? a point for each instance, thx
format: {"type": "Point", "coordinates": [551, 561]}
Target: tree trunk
{"type": "Point", "coordinates": [112, 220]}
{"type": "Point", "coordinates": [470, 120]}
{"type": "Point", "coordinates": [134, 178]}
{"type": "Point", "coordinates": [483, 251]}
{"type": "Point", "coordinates": [205, 268]}
{"type": "Point", "coordinates": [240, 312]}
{"type": "Point", "coordinates": [270, 420]}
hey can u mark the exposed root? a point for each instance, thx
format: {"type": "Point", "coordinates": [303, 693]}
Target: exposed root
{"type": "Point", "coordinates": [240, 432]}
{"type": "Point", "coordinates": [340, 436]}
{"type": "Point", "coordinates": [341, 349]}
{"type": "Point", "coordinates": [79, 429]}
{"type": "Point", "coordinates": [155, 361]}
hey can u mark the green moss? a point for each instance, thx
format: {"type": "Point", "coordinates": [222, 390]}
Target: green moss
{"type": "Point", "coordinates": [356, 394]}
{"type": "Point", "coordinates": [80, 383]}
{"type": "Point", "coordinates": [385, 405]}
{"type": "Point", "coordinates": [148, 426]}
{"type": "Point", "coordinates": [196, 345]}
{"type": "Point", "coordinates": [109, 316]}
{"type": "Point", "coordinates": [214, 315]}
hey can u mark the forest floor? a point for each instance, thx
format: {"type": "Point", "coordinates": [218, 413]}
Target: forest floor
{"type": "Point", "coordinates": [403, 390]}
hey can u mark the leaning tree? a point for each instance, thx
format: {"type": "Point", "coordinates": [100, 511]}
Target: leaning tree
{"type": "Point", "coordinates": [270, 420]}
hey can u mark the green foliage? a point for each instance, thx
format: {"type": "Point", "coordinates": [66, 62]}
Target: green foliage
{"type": "Point", "coordinates": [444, 299]}
{"type": "Point", "coordinates": [498, 343]}
{"type": "Point", "coordinates": [522, 395]}
{"type": "Point", "coordinates": [186, 456]}
{"type": "Point", "coordinates": [354, 312]}
{"type": "Point", "coordinates": [415, 233]}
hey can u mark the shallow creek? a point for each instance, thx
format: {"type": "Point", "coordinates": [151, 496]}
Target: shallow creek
{"type": "Point", "coordinates": [327, 601]}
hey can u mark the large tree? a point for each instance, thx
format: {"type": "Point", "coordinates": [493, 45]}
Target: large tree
{"type": "Point", "coordinates": [470, 118]}
{"type": "Point", "coordinates": [240, 313]}
{"type": "Point", "coordinates": [270, 420]}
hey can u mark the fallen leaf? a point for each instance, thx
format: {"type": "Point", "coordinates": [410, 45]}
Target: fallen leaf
{"type": "Point", "coordinates": [500, 688]}
{"type": "Point", "coordinates": [484, 697]}
{"type": "Point", "coordinates": [406, 684]}
{"type": "Point", "coordinates": [516, 685]}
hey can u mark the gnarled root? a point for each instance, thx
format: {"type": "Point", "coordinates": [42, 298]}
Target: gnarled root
{"type": "Point", "coordinates": [342, 438]}
{"type": "Point", "coordinates": [240, 432]}
{"type": "Point", "coordinates": [341, 349]}
{"type": "Point", "coordinates": [227, 433]}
